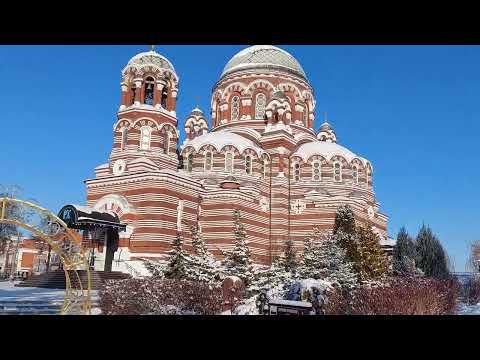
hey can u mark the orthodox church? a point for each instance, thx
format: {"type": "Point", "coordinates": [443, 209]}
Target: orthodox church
{"type": "Point", "coordinates": [259, 155]}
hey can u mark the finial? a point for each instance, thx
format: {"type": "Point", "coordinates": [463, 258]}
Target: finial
{"type": "Point", "coordinates": [152, 47]}
{"type": "Point", "coordinates": [325, 117]}
{"type": "Point", "coordinates": [197, 99]}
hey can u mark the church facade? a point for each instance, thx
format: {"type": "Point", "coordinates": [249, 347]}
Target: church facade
{"type": "Point", "coordinates": [261, 156]}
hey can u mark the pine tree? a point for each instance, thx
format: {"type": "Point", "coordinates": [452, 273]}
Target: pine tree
{"type": "Point", "coordinates": [345, 234]}
{"type": "Point", "coordinates": [203, 266]}
{"type": "Point", "coordinates": [344, 220]}
{"type": "Point", "coordinates": [325, 259]}
{"type": "Point", "coordinates": [431, 257]}
{"type": "Point", "coordinates": [177, 267]}
{"type": "Point", "coordinates": [373, 261]}
{"type": "Point", "coordinates": [290, 261]}
{"type": "Point", "coordinates": [404, 253]}
{"type": "Point", "coordinates": [238, 262]}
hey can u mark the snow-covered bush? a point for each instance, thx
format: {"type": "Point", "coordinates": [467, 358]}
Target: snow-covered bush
{"type": "Point", "coordinates": [150, 296]}
{"type": "Point", "coordinates": [398, 296]}
{"type": "Point", "coordinates": [471, 290]}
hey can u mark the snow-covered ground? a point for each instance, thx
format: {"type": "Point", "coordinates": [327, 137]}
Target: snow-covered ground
{"type": "Point", "coordinates": [10, 293]}
{"type": "Point", "coordinates": [465, 309]}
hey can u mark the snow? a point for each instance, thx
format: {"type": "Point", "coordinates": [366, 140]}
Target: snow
{"type": "Point", "coordinates": [464, 309]}
{"type": "Point", "coordinates": [84, 209]}
{"type": "Point", "coordinates": [290, 303]}
{"type": "Point", "coordinates": [219, 139]}
{"type": "Point", "coordinates": [327, 150]}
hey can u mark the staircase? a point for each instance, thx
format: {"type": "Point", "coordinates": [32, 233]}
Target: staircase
{"type": "Point", "coordinates": [37, 307]}
{"type": "Point", "coordinates": [56, 279]}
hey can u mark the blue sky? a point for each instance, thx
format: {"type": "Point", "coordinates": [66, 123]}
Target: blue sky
{"type": "Point", "coordinates": [413, 111]}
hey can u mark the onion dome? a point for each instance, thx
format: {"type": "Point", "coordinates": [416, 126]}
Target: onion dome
{"type": "Point", "coordinates": [151, 58]}
{"type": "Point", "coordinates": [327, 133]}
{"type": "Point", "coordinates": [265, 58]}
{"type": "Point", "coordinates": [196, 124]}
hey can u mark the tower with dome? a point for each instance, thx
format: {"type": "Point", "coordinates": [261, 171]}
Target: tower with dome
{"type": "Point", "coordinates": [260, 156]}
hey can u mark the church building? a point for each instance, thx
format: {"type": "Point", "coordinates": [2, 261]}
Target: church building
{"type": "Point", "coordinates": [255, 151]}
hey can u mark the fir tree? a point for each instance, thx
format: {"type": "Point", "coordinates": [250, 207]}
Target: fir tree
{"type": "Point", "coordinates": [177, 267]}
{"type": "Point", "coordinates": [404, 253]}
{"type": "Point", "coordinates": [238, 262]}
{"type": "Point", "coordinates": [203, 266]}
{"type": "Point", "coordinates": [345, 234]}
{"type": "Point", "coordinates": [309, 260]}
{"type": "Point", "coordinates": [290, 262]}
{"type": "Point", "coordinates": [431, 257]}
{"type": "Point", "coordinates": [373, 261]}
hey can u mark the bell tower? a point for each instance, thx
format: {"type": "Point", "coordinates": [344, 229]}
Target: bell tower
{"type": "Point", "coordinates": [145, 133]}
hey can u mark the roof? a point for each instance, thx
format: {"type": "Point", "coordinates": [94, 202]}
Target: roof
{"type": "Point", "coordinates": [219, 139]}
{"type": "Point", "coordinates": [151, 57]}
{"type": "Point", "coordinates": [264, 57]}
{"type": "Point", "coordinates": [327, 150]}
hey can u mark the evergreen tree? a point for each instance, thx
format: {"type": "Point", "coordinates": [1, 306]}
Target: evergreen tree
{"type": "Point", "coordinates": [290, 261]}
{"type": "Point", "coordinates": [203, 266]}
{"type": "Point", "coordinates": [345, 234]}
{"type": "Point", "coordinates": [344, 220]}
{"type": "Point", "coordinates": [325, 259]}
{"type": "Point", "coordinates": [404, 253]}
{"type": "Point", "coordinates": [431, 257]}
{"type": "Point", "coordinates": [177, 267]}
{"type": "Point", "coordinates": [238, 262]}
{"type": "Point", "coordinates": [373, 261]}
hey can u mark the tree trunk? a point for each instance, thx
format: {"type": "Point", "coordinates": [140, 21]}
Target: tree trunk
{"type": "Point", "coordinates": [48, 258]}
{"type": "Point", "coordinates": [111, 243]}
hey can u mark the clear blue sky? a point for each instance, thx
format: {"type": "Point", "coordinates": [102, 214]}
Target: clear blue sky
{"type": "Point", "coordinates": [413, 111]}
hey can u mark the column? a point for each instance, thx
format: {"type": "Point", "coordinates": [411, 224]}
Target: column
{"type": "Point", "coordinates": [138, 91]}
{"type": "Point", "coordinates": [157, 96]}
{"type": "Point", "coordinates": [124, 102]}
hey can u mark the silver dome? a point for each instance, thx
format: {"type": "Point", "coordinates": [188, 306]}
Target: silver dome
{"type": "Point", "coordinates": [151, 57]}
{"type": "Point", "coordinates": [264, 57]}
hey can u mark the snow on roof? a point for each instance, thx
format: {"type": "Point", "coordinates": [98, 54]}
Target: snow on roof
{"type": "Point", "coordinates": [387, 242]}
{"type": "Point", "coordinates": [327, 150]}
{"type": "Point", "coordinates": [151, 57]}
{"type": "Point", "coordinates": [290, 303]}
{"type": "Point", "coordinates": [220, 139]}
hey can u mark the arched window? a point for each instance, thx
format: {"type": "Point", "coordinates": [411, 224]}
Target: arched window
{"type": "Point", "coordinates": [263, 170]}
{"type": "Point", "coordinates": [260, 102]}
{"type": "Point", "coordinates": [166, 143]}
{"type": "Point", "coordinates": [219, 115]}
{"type": "Point", "coordinates": [337, 171]}
{"type": "Point", "coordinates": [355, 174]}
{"type": "Point", "coordinates": [124, 139]}
{"type": "Point", "coordinates": [189, 164]}
{"type": "Point", "coordinates": [145, 135]}
{"type": "Point", "coordinates": [235, 108]}
{"type": "Point", "coordinates": [248, 164]}
{"type": "Point", "coordinates": [316, 170]}
{"type": "Point", "coordinates": [208, 161]}
{"type": "Point", "coordinates": [296, 171]}
{"type": "Point", "coordinates": [148, 92]}
{"type": "Point", "coordinates": [229, 162]}
{"type": "Point", "coordinates": [369, 174]}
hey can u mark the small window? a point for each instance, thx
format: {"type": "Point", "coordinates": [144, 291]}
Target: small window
{"type": "Point", "coordinates": [124, 139]}
{"type": "Point", "coordinates": [260, 103]}
{"type": "Point", "coordinates": [316, 171]}
{"type": "Point", "coordinates": [235, 108]}
{"type": "Point", "coordinates": [355, 174]}
{"type": "Point", "coordinates": [208, 161]}
{"type": "Point", "coordinates": [264, 168]}
{"type": "Point", "coordinates": [189, 164]}
{"type": "Point", "coordinates": [145, 134]}
{"type": "Point", "coordinates": [248, 164]}
{"type": "Point", "coordinates": [337, 171]}
{"type": "Point", "coordinates": [296, 172]}
{"type": "Point", "coordinates": [229, 162]}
